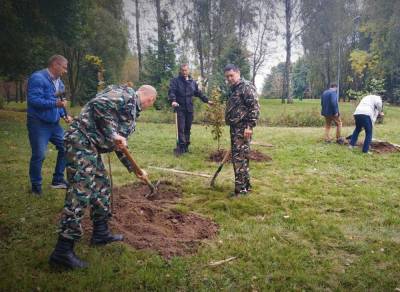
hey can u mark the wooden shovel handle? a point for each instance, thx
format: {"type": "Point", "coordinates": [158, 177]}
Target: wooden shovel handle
{"type": "Point", "coordinates": [136, 169]}
{"type": "Point", "coordinates": [226, 156]}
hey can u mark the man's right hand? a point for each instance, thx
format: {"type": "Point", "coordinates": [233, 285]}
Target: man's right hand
{"type": "Point", "coordinates": [119, 141]}
{"type": "Point", "coordinates": [61, 103]}
{"type": "Point", "coordinates": [174, 104]}
{"type": "Point", "coordinates": [142, 176]}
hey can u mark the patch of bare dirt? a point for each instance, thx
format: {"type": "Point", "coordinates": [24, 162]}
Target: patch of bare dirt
{"type": "Point", "coordinates": [380, 147]}
{"type": "Point", "coordinates": [152, 224]}
{"type": "Point", "coordinates": [255, 155]}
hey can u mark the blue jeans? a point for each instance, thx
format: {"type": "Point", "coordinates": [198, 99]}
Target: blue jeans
{"type": "Point", "coordinates": [362, 121]}
{"type": "Point", "coordinates": [40, 133]}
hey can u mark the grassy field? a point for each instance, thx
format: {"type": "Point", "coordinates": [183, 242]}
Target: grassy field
{"type": "Point", "coordinates": [304, 113]}
{"type": "Point", "coordinates": [320, 217]}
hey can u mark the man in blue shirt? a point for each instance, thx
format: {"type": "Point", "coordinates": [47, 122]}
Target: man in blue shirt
{"type": "Point", "coordinates": [45, 109]}
{"type": "Point", "coordinates": [330, 110]}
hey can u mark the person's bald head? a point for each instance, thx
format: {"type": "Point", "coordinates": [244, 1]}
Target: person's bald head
{"type": "Point", "coordinates": [147, 95]}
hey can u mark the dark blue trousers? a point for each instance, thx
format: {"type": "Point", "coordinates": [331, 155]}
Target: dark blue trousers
{"type": "Point", "coordinates": [362, 122]}
{"type": "Point", "coordinates": [40, 133]}
{"type": "Point", "coordinates": [185, 120]}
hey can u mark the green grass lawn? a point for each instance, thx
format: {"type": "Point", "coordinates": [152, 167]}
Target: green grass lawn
{"type": "Point", "coordinates": [273, 113]}
{"type": "Point", "coordinates": [320, 217]}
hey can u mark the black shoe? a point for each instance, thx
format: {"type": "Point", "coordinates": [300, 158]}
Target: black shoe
{"type": "Point", "coordinates": [183, 148]}
{"type": "Point", "coordinates": [340, 141]}
{"type": "Point", "coordinates": [237, 194]}
{"type": "Point", "coordinates": [36, 190]}
{"type": "Point", "coordinates": [63, 255]}
{"type": "Point", "coordinates": [178, 151]}
{"type": "Point", "coordinates": [249, 188]}
{"type": "Point", "coordinates": [102, 235]}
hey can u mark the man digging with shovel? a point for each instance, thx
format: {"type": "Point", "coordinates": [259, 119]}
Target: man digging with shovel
{"type": "Point", "coordinates": [103, 125]}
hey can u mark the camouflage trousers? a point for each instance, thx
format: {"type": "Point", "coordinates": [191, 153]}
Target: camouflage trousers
{"type": "Point", "coordinates": [88, 185]}
{"type": "Point", "coordinates": [240, 158]}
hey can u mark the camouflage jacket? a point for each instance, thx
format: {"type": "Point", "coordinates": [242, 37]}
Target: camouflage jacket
{"type": "Point", "coordinates": [113, 111]}
{"type": "Point", "coordinates": [242, 107]}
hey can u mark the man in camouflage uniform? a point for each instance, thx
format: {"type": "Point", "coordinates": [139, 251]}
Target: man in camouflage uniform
{"type": "Point", "coordinates": [103, 126]}
{"type": "Point", "coordinates": [241, 114]}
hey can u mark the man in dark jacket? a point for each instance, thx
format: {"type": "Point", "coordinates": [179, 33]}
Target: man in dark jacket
{"type": "Point", "coordinates": [43, 115]}
{"type": "Point", "coordinates": [180, 94]}
{"type": "Point", "coordinates": [330, 110]}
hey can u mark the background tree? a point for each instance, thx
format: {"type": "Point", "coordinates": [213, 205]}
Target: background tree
{"type": "Point", "coordinates": [159, 59]}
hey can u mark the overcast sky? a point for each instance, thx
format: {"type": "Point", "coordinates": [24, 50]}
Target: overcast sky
{"type": "Point", "coordinates": [148, 25]}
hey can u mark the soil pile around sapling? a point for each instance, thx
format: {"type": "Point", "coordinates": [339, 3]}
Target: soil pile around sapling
{"type": "Point", "coordinates": [380, 147]}
{"type": "Point", "coordinates": [153, 224]}
{"type": "Point", "coordinates": [255, 155]}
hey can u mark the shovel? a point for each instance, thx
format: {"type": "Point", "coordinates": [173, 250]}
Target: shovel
{"type": "Point", "coordinates": [225, 159]}
{"type": "Point", "coordinates": [139, 173]}
{"type": "Point", "coordinates": [177, 150]}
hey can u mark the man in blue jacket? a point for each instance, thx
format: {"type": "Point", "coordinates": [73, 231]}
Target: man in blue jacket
{"type": "Point", "coordinates": [180, 94]}
{"type": "Point", "coordinates": [45, 109]}
{"type": "Point", "coordinates": [330, 110]}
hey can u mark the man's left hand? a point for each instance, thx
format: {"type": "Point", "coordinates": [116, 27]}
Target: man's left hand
{"type": "Point", "coordinates": [68, 119]}
{"type": "Point", "coordinates": [248, 133]}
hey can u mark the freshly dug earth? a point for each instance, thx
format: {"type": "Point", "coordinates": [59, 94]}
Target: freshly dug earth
{"type": "Point", "coordinates": [255, 155]}
{"type": "Point", "coordinates": [152, 224]}
{"type": "Point", "coordinates": [380, 147]}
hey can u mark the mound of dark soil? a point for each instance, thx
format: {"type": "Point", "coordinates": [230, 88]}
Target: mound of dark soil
{"type": "Point", "coordinates": [152, 224]}
{"type": "Point", "coordinates": [255, 155]}
{"type": "Point", "coordinates": [380, 147]}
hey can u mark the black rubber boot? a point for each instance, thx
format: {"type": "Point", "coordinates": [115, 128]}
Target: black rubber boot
{"type": "Point", "coordinates": [63, 255]}
{"type": "Point", "coordinates": [182, 148]}
{"type": "Point", "coordinates": [102, 235]}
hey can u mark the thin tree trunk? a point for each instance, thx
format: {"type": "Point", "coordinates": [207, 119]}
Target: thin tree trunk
{"type": "Point", "coordinates": [286, 82]}
{"type": "Point", "coordinates": [139, 48]}
{"type": "Point", "coordinates": [240, 25]}
{"type": "Point", "coordinates": [21, 91]}
{"type": "Point", "coordinates": [160, 37]}
{"type": "Point", "coordinates": [74, 57]}
{"type": "Point", "coordinates": [201, 56]}
{"type": "Point", "coordinates": [8, 95]}
{"type": "Point", "coordinates": [327, 67]}
{"type": "Point", "coordinates": [16, 91]}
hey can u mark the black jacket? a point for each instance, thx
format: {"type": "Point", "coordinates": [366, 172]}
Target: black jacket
{"type": "Point", "coordinates": [182, 91]}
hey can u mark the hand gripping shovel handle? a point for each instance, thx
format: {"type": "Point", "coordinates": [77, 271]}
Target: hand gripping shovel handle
{"type": "Point", "coordinates": [137, 170]}
{"type": "Point", "coordinates": [225, 159]}
{"type": "Point", "coordinates": [61, 95]}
